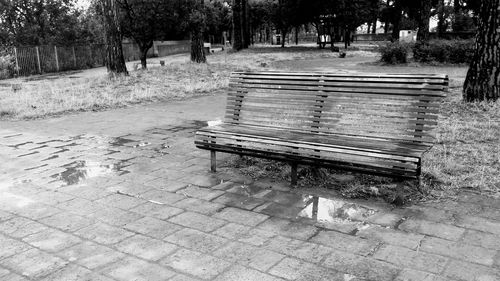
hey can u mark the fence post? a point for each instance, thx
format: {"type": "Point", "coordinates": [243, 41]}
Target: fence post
{"type": "Point", "coordinates": [17, 63]}
{"type": "Point", "coordinates": [57, 59]}
{"type": "Point", "coordinates": [74, 56]}
{"type": "Point", "coordinates": [38, 60]}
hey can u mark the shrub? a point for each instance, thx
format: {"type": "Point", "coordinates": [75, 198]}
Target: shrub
{"type": "Point", "coordinates": [393, 53]}
{"type": "Point", "coordinates": [444, 51]}
{"type": "Point", "coordinates": [7, 63]}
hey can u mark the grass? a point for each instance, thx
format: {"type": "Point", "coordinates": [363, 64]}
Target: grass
{"type": "Point", "coordinates": [466, 154]}
{"type": "Point", "coordinates": [38, 98]}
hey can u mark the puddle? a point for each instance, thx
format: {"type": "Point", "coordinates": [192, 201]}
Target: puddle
{"type": "Point", "coordinates": [334, 211]}
{"type": "Point", "coordinates": [84, 169]}
{"type": "Point", "coordinates": [119, 141]}
{"type": "Point", "coordinates": [142, 144]}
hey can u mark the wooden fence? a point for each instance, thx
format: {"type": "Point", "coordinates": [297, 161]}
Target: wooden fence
{"type": "Point", "coordinates": [44, 59]}
{"type": "Point", "coordinates": [30, 60]}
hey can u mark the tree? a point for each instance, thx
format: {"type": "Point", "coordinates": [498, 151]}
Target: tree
{"type": "Point", "coordinates": [483, 78]}
{"type": "Point", "coordinates": [237, 34]}
{"type": "Point", "coordinates": [197, 24]}
{"type": "Point", "coordinates": [143, 21]}
{"type": "Point", "coordinates": [115, 61]}
{"type": "Point", "coordinates": [38, 22]}
{"type": "Point", "coordinates": [423, 20]}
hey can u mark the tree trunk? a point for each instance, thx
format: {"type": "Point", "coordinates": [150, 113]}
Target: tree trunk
{"type": "Point", "coordinates": [483, 78]}
{"type": "Point", "coordinates": [456, 15]}
{"type": "Point", "coordinates": [441, 28]}
{"type": "Point", "coordinates": [374, 26]}
{"type": "Point", "coordinates": [245, 34]}
{"type": "Point", "coordinates": [396, 19]}
{"type": "Point", "coordinates": [423, 20]}
{"type": "Point", "coordinates": [144, 48]}
{"type": "Point", "coordinates": [237, 38]}
{"type": "Point", "coordinates": [296, 36]}
{"type": "Point", "coordinates": [283, 35]}
{"type": "Point", "coordinates": [197, 53]}
{"type": "Point", "coordinates": [115, 62]}
{"type": "Point", "coordinates": [369, 27]}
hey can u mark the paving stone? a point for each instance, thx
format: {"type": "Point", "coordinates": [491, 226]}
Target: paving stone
{"type": "Point", "coordinates": [279, 210]}
{"type": "Point", "coordinates": [91, 255]}
{"type": "Point", "coordinates": [75, 273]}
{"type": "Point", "coordinates": [11, 247]}
{"type": "Point", "coordinates": [158, 211]}
{"type": "Point", "coordinates": [482, 239]}
{"type": "Point", "coordinates": [384, 219]}
{"type": "Point", "coordinates": [67, 221]}
{"type": "Point", "coordinates": [37, 211]}
{"type": "Point", "coordinates": [479, 223]}
{"type": "Point", "coordinates": [53, 197]}
{"type": "Point", "coordinates": [120, 201]}
{"type": "Point", "coordinates": [182, 277]}
{"type": "Point", "coordinates": [51, 240]}
{"type": "Point", "coordinates": [241, 216]}
{"type": "Point", "coordinates": [163, 197]}
{"type": "Point", "coordinates": [241, 273]}
{"type": "Point", "coordinates": [391, 236]}
{"type": "Point", "coordinates": [198, 221]}
{"type": "Point", "coordinates": [33, 263]}
{"type": "Point", "coordinates": [232, 231]}
{"type": "Point", "coordinates": [19, 227]}
{"type": "Point", "coordinates": [137, 270]}
{"type": "Point", "coordinates": [203, 193]}
{"type": "Point", "coordinates": [256, 237]}
{"type": "Point", "coordinates": [363, 267]}
{"type": "Point", "coordinates": [5, 216]}
{"type": "Point", "coordinates": [84, 191]}
{"type": "Point", "coordinates": [166, 184]}
{"type": "Point", "coordinates": [345, 242]}
{"type": "Point", "coordinates": [310, 252]}
{"type": "Point", "coordinates": [152, 227]}
{"type": "Point", "coordinates": [287, 228]}
{"type": "Point", "coordinates": [198, 264]}
{"type": "Point", "coordinates": [196, 240]}
{"type": "Point", "coordinates": [415, 275]}
{"type": "Point", "coordinates": [458, 250]}
{"type": "Point", "coordinates": [224, 186]}
{"type": "Point", "coordinates": [440, 230]}
{"type": "Point", "coordinates": [14, 277]}
{"type": "Point", "coordinates": [199, 206]}
{"type": "Point", "coordinates": [103, 233]}
{"type": "Point", "coordinates": [115, 216]}
{"type": "Point", "coordinates": [201, 180]}
{"type": "Point", "coordinates": [404, 257]}
{"type": "Point", "coordinates": [145, 247]}
{"type": "Point", "coordinates": [293, 269]}
{"type": "Point", "coordinates": [3, 272]}
{"type": "Point", "coordinates": [79, 206]}
{"type": "Point", "coordinates": [464, 271]}
{"type": "Point", "coordinates": [239, 201]}
{"type": "Point", "coordinates": [260, 259]}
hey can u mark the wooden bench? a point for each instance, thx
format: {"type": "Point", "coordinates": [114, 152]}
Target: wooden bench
{"type": "Point", "coordinates": [372, 123]}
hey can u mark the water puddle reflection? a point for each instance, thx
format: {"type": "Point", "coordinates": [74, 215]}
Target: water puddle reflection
{"type": "Point", "coordinates": [334, 211]}
{"type": "Point", "coordinates": [84, 169]}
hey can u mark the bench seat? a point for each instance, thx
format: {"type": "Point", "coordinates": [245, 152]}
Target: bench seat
{"type": "Point", "coordinates": [378, 124]}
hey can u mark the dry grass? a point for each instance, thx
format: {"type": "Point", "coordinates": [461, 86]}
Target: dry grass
{"type": "Point", "coordinates": [58, 95]}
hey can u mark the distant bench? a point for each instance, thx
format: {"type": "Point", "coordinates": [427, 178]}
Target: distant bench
{"type": "Point", "coordinates": [371, 123]}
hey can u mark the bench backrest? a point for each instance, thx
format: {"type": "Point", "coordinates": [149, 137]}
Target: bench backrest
{"type": "Point", "coordinates": [400, 107]}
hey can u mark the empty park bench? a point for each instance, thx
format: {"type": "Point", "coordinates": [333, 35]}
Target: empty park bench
{"type": "Point", "coordinates": [371, 123]}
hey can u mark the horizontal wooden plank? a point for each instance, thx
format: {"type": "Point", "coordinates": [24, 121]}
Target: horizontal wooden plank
{"type": "Point", "coordinates": [318, 101]}
{"type": "Point", "coordinates": [381, 145]}
{"type": "Point", "coordinates": [394, 91]}
{"type": "Point", "coordinates": [321, 84]}
{"type": "Point", "coordinates": [345, 78]}
{"type": "Point", "coordinates": [240, 92]}
{"type": "Point", "coordinates": [330, 74]}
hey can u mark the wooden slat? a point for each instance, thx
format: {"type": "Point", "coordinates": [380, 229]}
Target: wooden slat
{"type": "Point", "coordinates": [412, 80]}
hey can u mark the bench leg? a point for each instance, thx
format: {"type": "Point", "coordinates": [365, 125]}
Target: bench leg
{"type": "Point", "coordinates": [293, 174]}
{"type": "Point", "coordinates": [213, 161]}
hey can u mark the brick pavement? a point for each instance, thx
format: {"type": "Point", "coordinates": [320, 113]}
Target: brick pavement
{"type": "Point", "coordinates": [143, 206]}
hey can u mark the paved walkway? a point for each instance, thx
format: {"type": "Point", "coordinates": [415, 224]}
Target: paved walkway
{"type": "Point", "coordinates": [125, 195]}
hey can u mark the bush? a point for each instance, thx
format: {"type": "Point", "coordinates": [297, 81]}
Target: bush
{"type": "Point", "coordinates": [444, 51]}
{"type": "Point", "coordinates": [7, 63]}
{"type": "Point", "coordinates": [393, 53]}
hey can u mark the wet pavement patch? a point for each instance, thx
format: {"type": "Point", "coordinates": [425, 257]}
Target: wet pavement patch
{"type": "Point", "coordinates": [335, 210]}
{"type": "Point", "coordinates": [80, 170]}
